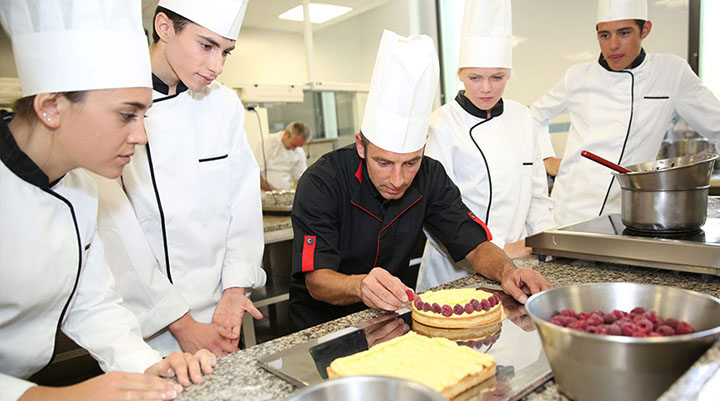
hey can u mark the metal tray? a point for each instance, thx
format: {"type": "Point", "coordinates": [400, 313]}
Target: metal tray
{"type": "Point", "coordinates": [521, 362]}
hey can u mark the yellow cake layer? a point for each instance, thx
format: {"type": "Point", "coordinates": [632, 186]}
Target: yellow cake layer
{"type": "Point", "coordinates": [453, 297]}
{"type": "Point", "coordinates": [436, 362]}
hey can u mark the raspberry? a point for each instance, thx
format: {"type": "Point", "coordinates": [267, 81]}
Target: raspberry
{"type": "Point", "coordinates": [609, 318]}
{"type": "Point", "coordinates": [426, 307]}
{"type": "Point", "coordinates": [447, 310]}
{"type": "Point", "coordinates": [614, 330]}
{"type": "Point", "coordinates": [665, 330]}
{"type": "Point", "coordinates": [458, 309]}
{"type": "Point", "coordinates": [598, 312]}
{"type": "Point", "coordinates": [638, 333]}
{"type": "Point", "coordinates": [578, 324]}
{"type": "Point", "coordinates": [418, 303]}
{"type": "Point", "coordinates": [638, 310]}
{"type": "Point", "coordinates": [604, 329]}
{"type": "Point", "coordinates": [491, 301]}
{"type": "Point", "coordinates": [568, 312]}
{"type": "Point", "coordinates": [497, 298]}
{"type": "Point", "coordinates": [683, 328]}
{"type": "Point", "coordinates": [567, 320]}
{"type": "Point", "coordinates": [582, 316]}
{"type": "Point", "coordinates": [485, 304]}
{"type": "Point", "coordinates": [618, 314]}
{"type": "Point", "coordinates": [653, 334]}
{"type": "Point", "coordinates": [644, 325]}
{"type": "Point", "coordinates": [474, 303]}
{"type": "Point", "coordinates": [672, 322]}
{"type": "Point", "coordinates": [652, 316]}
{"type": "Point", "coordinates": [628, 329]}
{"type": "Point", "coordinates": [594, 320]}
{"type": "Point", "coordinates": [410, 294]}
{"type": "Point", "coordinates": [469, 308]}
{"type": "Point", "coordinates": [436, 308]}
{"type": "Point", "coordinates": [557, 320]}
{"type": "Point", "coordinates": [591, 329]}
{"type": "Point", "coordinates": [477, 305]}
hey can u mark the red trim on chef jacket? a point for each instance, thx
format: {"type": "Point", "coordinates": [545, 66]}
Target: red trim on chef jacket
{"type": "Point", "coordinates": [377, 252]}
{"type": "Point", "coordinates": [477, 220]}
{"type": "Point", "coordinates": [366, 211]}
{"type": "Point", "coordinates": [358, 173]}
{"type": "Point", "coordinates": [308, 253]}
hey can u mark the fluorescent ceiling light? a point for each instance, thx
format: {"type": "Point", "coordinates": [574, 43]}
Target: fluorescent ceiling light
{"type": "Point", "coordinates": [319, 12]}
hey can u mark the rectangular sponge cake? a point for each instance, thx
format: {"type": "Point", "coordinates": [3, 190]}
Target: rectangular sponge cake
{"type": "Point", "coordinates": [439, 363]}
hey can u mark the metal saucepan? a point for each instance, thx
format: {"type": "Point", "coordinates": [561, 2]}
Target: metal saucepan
{"type": "Point", "coordinates": [668, 195]}
{"type": "Point", "coordinates": [376, 388]}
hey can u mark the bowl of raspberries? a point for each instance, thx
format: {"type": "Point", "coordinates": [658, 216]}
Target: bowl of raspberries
{"type": "Point", "coordinates": [622, 341]}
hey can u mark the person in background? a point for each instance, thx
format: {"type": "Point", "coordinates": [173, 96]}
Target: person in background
{"type": "Point", "coordinates": [81, 110]}
{"type": "Point", "coordinates": [487, 145]}
{"type": "Point", "coordinates": [194, 189]}
{"type": "Point", "coordinates": [281, 157]}
{"type": "Point", "coordinates": [619, 108]}
{"type": "Point", "coordinates": [359, 209]}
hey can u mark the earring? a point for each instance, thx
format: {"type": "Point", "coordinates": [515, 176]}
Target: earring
{"type": "Point", "coordinates": [44, 114]}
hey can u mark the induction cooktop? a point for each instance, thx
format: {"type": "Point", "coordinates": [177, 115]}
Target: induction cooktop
{"type": "Point", "coordinates": [514, 343]}
{"type": "Point", "coordinates": [606, 239]}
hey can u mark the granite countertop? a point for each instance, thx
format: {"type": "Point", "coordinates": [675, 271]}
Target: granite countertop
{"type": "Point", "coordinates": [239, 377]}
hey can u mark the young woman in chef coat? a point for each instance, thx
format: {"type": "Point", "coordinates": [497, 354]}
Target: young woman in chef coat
{"type": "Point", "coordinates": [487, 146]}
{"type": "Point", "coordinates": [81, 109]}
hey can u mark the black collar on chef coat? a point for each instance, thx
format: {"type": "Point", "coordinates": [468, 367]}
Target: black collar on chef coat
{"type": "Point", "coordinates": [367, 197]}
{"type": "Point", "coordinates": [468, 106]}
{"type": "Point", "coordinates": [16, 160]}
{"type": "Point", "coordinates": [638, 60]}
{"type": "Point", "coordinates": [160, 86]}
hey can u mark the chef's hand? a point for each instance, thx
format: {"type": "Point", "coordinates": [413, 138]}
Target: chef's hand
{"type": "Point", "coordinates": [184, 366]}
{"type": "Point", "coordinates": [381, 290]}
{"type": "Point", "coordinates": [552, 165]}
{"type": "Point", "coordinates": [516, 250]}
{"type": "Point", "coordinates": [113, 386]}
{"type": "Point", "coordinates": [194, 336]}
{"type": "Point", "coordinates": [229, 312]}
{"type": "Point", "coordinates": [519, 283]}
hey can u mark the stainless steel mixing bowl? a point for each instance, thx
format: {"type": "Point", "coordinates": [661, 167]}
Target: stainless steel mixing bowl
{"type": "Point", "coordinates": [593, 367]}
{"type": "Point", "coordinates": [363, 388]}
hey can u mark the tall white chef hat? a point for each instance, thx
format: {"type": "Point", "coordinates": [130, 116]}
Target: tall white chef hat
{"type": "Point", "coordinates": [223, 17]}
{"type": "Point", "coordinates": [616, 10]}
{"type": "Point", "coordinates": [402, 90]}
{"type": "Point", "coordinates": [486, 34]}
{"type": "Point", "coordinates": [66, 45]}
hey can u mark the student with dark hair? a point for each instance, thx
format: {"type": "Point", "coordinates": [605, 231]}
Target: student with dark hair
{"type": "Point", "coordinates": [80, 110]}
{"type": "Point", "coordinates": [620, 107]}
{"type": "Point", "coordinates": [194, 189]}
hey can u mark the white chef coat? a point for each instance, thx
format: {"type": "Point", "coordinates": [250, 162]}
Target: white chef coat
{"type": "Point", "coordinates": [499, 172]}
{"type": "Point", "coordinates": [54, 275]}
{"type": "Point", "coordinates": [278, 165]}
{"type": "Point", "coordinates": [621, 116]}
{"type": "Point", "coordinates": [195, 191]}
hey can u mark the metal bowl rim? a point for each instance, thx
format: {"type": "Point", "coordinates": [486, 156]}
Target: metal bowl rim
{"type": "Point", "coordinates": [707, 158]}
{"type": "Point", "coordinates": [624, 339]}
{"type": "Point", "coordinates": [366, 378]}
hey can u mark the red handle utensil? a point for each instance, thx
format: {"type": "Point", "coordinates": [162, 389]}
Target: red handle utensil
{"type": "Point", "coordinates": [604, 162]}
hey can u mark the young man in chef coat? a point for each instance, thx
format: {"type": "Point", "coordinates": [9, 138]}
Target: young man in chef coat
{"type": "Point", "coordinates": [359, 209]}
{"type": "Point", "coordinates": [487, 145]}
{"type": "Point", "coordinates": [80, 110]}
{"type": "Point", "coordinates": [194, 188]}
{"type": "Point", "coordinates": [619, 107]}
{"type": "Point", "coordinates": [281, 157]}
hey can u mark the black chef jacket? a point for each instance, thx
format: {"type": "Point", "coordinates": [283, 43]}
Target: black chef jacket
{"type": "Point", "coordinates": [341, 222]}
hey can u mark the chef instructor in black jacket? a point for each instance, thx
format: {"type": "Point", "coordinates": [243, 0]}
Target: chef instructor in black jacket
{"type": "Point", "coordinates": [359, 209]}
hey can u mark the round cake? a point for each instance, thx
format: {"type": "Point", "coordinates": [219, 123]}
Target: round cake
{"type": "Point", "coordinates": [457, 308]}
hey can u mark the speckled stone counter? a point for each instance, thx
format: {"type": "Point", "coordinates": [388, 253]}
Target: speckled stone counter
{"type": "Point", "coordinates": [238, 377]}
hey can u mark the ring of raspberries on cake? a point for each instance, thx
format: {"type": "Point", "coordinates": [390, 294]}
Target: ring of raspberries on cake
{"type": "Point", "coordinates": [457, 308]}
